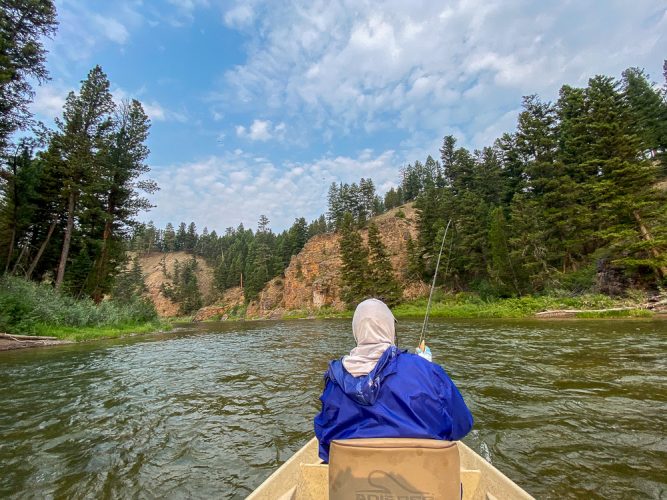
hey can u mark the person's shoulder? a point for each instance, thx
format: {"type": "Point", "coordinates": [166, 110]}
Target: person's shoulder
{"type": "Point", "coordinates": [415, 363]}
{"type": "Point", "coordinates": [408, 360]}
{"type": "Point", "coordinates": [335, 370]}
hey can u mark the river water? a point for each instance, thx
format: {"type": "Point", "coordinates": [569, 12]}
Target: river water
{"type": "Point", "coordinates": [569, 409]}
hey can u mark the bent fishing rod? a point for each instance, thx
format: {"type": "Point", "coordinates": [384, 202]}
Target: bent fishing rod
{"type": "Point", "coordinates": [422, 337]}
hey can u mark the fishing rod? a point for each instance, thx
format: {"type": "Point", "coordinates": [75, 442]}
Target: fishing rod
{"type": "Point", "coordinates": [422, 337]}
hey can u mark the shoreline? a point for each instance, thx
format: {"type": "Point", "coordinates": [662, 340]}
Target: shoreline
{"type": "Point", "coordinates": [445, 311]}
{"type": "Point", "coordinates": [11, 345]}
{"type": "Point", "coordinates": [55, 336]}
{"type": "Point", "coordinates": [471, 307]}
{"type": "Point", "coordinates": [525, 308]}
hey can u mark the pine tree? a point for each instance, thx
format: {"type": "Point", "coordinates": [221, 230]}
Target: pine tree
{"type": "Point", "coordinates": [513, 168]}
{"type": "Point", "coordinates": [527, 241]}
{"type": "Point", "coordinates": [184, 289]}
{"type": "Point", "coordinates": [169, 238]}
{"type": "Point", "coordinates": [149, 238]}
{"type": "Point", "coordinates": [501, 266]}
{"type": "Point", "coordinates": [181, 236]}
{"type": "Point", "coordinates": [130, 283]}
{"type": "Point", "coordinates": [647, 111]}
{"type": "Point", "coordinates": [335, 209]}
{"type": "Point", "coordinates": [77, 149]}
{"type": "Point", "coordinates": [448, 157]}
{"type": "Point", "coordinates": [410, 182]}
{"type": "Point", "coordinates": [355, 272]}
{"type": "Point", "coordinates": [191, 237]}
{"type": "Point", "coordinates": [257, 270]}
{"type": "Point", "coordinates": [220, 275]}
{"type": "Point", "coordinates": [624, 194]}
{"type": "Point", "coordinates": [318, 226]}
{"type": "Point", "coordinates": [383, 282]}
{"type": "Point", "coordinates": [263, 224]}
{"type": "Point", "coordinates": [298, 236]}
{"type": "Point", "coordinates": [367, 198]}
{"type": "Point", "coordinates": [392, 199]}
{"type": "Point", "coordinates": [23, 25]}
{"type": "Point", "coordinates": [118, 188]}
{"type": "Point", "coordinates": [489, 180]}
{"type": "Point", "coordinates": [18, 201]}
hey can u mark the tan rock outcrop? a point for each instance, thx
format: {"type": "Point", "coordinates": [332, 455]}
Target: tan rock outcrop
{"type": "Point", "coordinates": [230, 303]}
{"type": "Point", "coordinates": [312, 279]}
{"type": "Point", "coordinates": [154, 265]}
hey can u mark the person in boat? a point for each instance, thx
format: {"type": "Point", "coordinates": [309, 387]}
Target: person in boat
{"type": "Point", "coordinates": [380, 391]}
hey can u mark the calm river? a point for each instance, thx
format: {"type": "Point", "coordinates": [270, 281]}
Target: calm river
{"type": "Point", "coordinates": [569, 409]}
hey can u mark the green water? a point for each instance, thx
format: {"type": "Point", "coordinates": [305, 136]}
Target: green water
{"type": "Point", "coordinates": [570, 409]}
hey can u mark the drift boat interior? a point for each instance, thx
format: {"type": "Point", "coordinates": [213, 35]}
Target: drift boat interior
{"type": "Point", "coordinates": [388, 469]}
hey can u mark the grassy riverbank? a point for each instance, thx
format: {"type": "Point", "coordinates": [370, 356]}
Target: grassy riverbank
{"type": "Point", "coordinates": [81, 333]}
{"type": "Point", "coordinates": [465, 305]}
{"type": "Point", "coordinates": [468, 305]}
{"type": "Point", "coordinates": [28, 308]}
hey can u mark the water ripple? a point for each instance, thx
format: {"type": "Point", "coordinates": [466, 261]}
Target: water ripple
{"type": "Point", "coordinates": [566, 409]}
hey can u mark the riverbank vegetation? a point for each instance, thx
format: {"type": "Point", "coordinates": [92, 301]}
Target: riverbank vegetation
{"type": "Point", "coordinates": [28, 308]}
{"type": "Point", "coordinates": [470, 305]}
{"type": "Point", "coordinates": [68, 195]}
{"type": "Point", "coordinates": [571, 200]}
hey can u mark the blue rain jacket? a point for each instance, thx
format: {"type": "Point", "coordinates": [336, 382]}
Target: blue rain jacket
{"type": "Point", "coordinates": [404, 396]}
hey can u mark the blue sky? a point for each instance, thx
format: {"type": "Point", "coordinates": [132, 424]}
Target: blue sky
{"type": "Point", "coordinates": [257, 107]}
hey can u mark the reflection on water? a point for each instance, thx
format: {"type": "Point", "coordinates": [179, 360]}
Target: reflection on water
{"type": "Point", "coordinates": [566, 409]}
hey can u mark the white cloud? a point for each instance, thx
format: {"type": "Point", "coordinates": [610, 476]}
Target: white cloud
{"type": "Point", "coordinates": [49, 100]}
{"type": "Point", "coordinates": [215, 191]}
{"type": "Point", "coordinates": [157, 112]}
{"type": "Point", "coordinates": [418, 67]}
{"type": "Point", "coordinates": [111, 28]}
{"type": "Point", "coordinates": [261, 130]}
{"type": "Point", "coordinates": [239, 16]}
{"type": "Point", "coordinates": [182, 11]}
{"type": "Point", "coordinates": [82, 31]}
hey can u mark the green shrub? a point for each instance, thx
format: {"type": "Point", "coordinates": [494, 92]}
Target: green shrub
{"type": "Point", "coordinates": [28, 308]}
{"type": "Point", "coordinates": [577, 282]}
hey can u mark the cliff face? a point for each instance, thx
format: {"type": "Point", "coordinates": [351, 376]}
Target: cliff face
{"type": "Point", "coordinates": [154, 265]}
{"type": "Point", "coordinates": [231, 303]}
{"type": "Point", "coordinates": [312, 280]}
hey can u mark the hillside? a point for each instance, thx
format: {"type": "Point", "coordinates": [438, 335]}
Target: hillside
{"type": "Point", "coordinates": [310, 282]}
{"type": "Point", "coordinates": [154, 265]}
{"type": "Point", "coordinates": [312, 279]}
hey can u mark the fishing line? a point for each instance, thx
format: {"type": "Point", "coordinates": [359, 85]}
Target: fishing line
{"type": "Point", "coordinates": [422, 336]}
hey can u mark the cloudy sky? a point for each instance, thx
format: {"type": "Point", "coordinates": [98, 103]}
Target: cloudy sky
{"type": "Point", "coordinates": [258, 106]}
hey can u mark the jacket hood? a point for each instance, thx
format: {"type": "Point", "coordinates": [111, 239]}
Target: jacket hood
{"type": "Point", "coordinates": [364, 389]}
{"type": "Point", "coordinates": [374, 332]}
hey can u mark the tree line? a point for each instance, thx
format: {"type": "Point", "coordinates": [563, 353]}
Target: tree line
{"type": "Point", "coordinates": [573, 199]}
{"type": "Point", "coordinates": [68, 195]}
{"type": "Point", "coordinates": [359, 200]}
{"type": "Point", "coordinates": [240, 256]}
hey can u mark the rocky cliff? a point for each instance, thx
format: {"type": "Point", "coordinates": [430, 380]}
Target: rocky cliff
{"type": "Point", "coordinates": [157, 266]}
{"type": "Point", "coordinates": [312, 279]}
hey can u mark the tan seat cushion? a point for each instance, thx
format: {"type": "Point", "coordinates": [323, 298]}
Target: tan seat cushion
{"type": "Point", "coordinates": [396, 469]}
